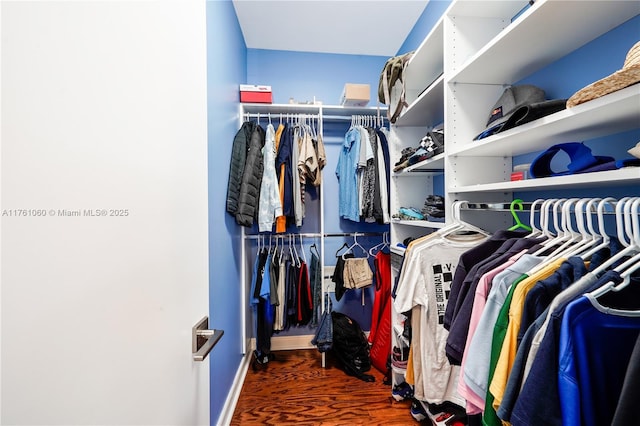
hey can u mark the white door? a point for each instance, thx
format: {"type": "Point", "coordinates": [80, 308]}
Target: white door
{"type": "Point", "coordinates": [104, 212]}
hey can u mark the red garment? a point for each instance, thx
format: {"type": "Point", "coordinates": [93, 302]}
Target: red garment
{"type": "Point", "coordinates": [380, 334]}
{"type": "Point", "coordinates": [304, 309]}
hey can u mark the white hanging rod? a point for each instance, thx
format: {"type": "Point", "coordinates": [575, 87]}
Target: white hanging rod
{"type": "Point", "coordinates": [505, 207]}
{"type": "Point", "coordinates": [287, 235]}
{"type": "Point", "coordinates": [317, 235]}
{"type": "Point", "coordinates": [278, 115]}
{"type": "Point", "coordinates": [355, 234]}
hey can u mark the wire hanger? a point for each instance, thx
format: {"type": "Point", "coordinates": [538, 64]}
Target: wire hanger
{"type": "Point", "coordinates": [316, 252]}
{"type": "Point", "coordinates": [519, 225]}
{"type": "Point", "coordinates": [344, 245]}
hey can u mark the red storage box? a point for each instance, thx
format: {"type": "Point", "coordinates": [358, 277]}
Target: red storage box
{"type": "Point", "coordinates": [255, 93]}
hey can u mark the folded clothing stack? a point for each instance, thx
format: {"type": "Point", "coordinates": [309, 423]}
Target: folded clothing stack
{"type": "Point", "coordinates": [434, 206]}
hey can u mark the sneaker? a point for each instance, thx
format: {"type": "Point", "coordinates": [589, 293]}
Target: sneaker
{"type": "Point", "coordinates": [447, 414]}
{"type": "Point", "coordinates": [402, 391]}
{"type": "Point", "coordinates": [418, 411]}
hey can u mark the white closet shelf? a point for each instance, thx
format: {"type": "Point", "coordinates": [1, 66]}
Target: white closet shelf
{"type": "Point", "coordinates": [427, 108]}
{"type": "Point", "coordinates": [348, 110]}
{"type": "Point", "coordinates": [523, 48]}
{"type": "Point", "coordinates": [610, 114]}
{"type": "Point", "coordinates": [311, 109]}
{"type": "Point", "coordinates": [426, 64]}
{"type": "Point", "coordinates": [621, 177]}
{"type": "Point", "coordinates": [398, 250]}
{"type": "Point", "coordinates": [419, 223]}
{"type": "Point", "coordinates": [433, 166]}
{"type": "Point", "coordinates": [281, 108]}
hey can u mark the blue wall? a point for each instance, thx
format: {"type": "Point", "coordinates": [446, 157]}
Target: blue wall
{"type": "Point", "coordinates": [224, 42]}
{"type": "Point", "coordinates": [303, 75]}
{"type": "Point", "coordinates": [430, 15]}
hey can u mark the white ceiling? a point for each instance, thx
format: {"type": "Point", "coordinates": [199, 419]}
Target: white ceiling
{"type": "Point", "coordinates": [360, 27]}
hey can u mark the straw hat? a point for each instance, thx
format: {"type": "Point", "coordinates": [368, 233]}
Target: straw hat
{"type": "Point", "coordinates": [628, 75]}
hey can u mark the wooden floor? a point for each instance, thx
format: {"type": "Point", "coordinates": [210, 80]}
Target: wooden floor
{"type": "Point", "coordinates": [294, 389]}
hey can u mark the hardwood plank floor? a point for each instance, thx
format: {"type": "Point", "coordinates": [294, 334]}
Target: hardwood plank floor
{"type": "Point", "coordinates": [295, 389]}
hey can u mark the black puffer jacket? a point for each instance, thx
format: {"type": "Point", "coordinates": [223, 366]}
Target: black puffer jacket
{"type": "Point", "coordinates": [237, 164]}
{"type": "Point", "coordinates": [249, 200]}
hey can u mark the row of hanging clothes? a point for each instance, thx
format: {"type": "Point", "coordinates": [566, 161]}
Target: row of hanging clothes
{"type": "Point", "coordinates": [363, 171]}
{"type": "Point", "coordinates": [528, 325]}
{"type": "Point", "coordinates": [271, 168]}
{"type": "Point", "coordinates": [285, 290]}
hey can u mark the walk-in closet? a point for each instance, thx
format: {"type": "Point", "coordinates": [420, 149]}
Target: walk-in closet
{"type": "Point", "coordinates": [320, 212]}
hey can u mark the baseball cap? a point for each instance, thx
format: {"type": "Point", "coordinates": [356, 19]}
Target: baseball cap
{"type": "Point", "coordinates": [517, 105]}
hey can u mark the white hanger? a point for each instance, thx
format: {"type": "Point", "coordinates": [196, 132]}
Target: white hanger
{"type": "Point", "coordinates": [602, 234]}
{"type": "Point", "coordinates": [630, 249]}
{"type": "Point", "coordinates": [293, 252]}
{"type": "Point", "coordinates": [588, 237]}
{"type": "Point", "coordinates": [458, 224]}
{"type": "Point", "coordinates": [571, 237]}
{"type": "Point", "coordinates": [380, 245]}
{"type": "Point", "coordinates": [553, 239]}
{"type": "Point", "coordinates": [632, 264]}
{"type": "Point", "coordinates": [535, 232]}
{"type": "Point", "coordinates": [304, 256]}
{"type": "Point", "coordinates": [354, 245]}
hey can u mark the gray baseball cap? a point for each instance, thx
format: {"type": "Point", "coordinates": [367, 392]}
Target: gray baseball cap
{"type": "Point", "coordinates": [528, 100]}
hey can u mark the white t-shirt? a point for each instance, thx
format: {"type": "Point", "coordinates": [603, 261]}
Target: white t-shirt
{"type": "Point", "coordinates": [424, 287]}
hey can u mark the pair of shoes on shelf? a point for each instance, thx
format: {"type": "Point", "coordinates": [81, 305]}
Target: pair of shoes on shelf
{"type": "Point", "coordinates": [405, 154]}
{"type": "Point", "coordinates": [402, 391]}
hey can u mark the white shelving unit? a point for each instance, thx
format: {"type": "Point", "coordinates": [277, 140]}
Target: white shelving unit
{"type": "Point", "coordinates": [463, 65]}
{"type": "Point", "coordinates": [476, 74]}
{"type": "Point", "coordinates": [320, 114]}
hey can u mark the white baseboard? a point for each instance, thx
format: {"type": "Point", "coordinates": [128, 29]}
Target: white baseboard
{"type": "Point", "coordinates": [287, 343]}
{"type": "Point", "coordinates": [234, 394]}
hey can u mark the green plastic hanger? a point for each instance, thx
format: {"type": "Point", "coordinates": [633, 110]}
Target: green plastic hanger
{"type": "Point", "coordinates": [519, 224]}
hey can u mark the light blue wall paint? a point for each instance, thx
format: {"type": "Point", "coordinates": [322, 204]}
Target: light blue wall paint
{"type": "Point", "coordinates": [225, 45]}
{"type": "Point", "coordinates": [430, 15]}
{"type": "Point", "coordinates": [303, 75]}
